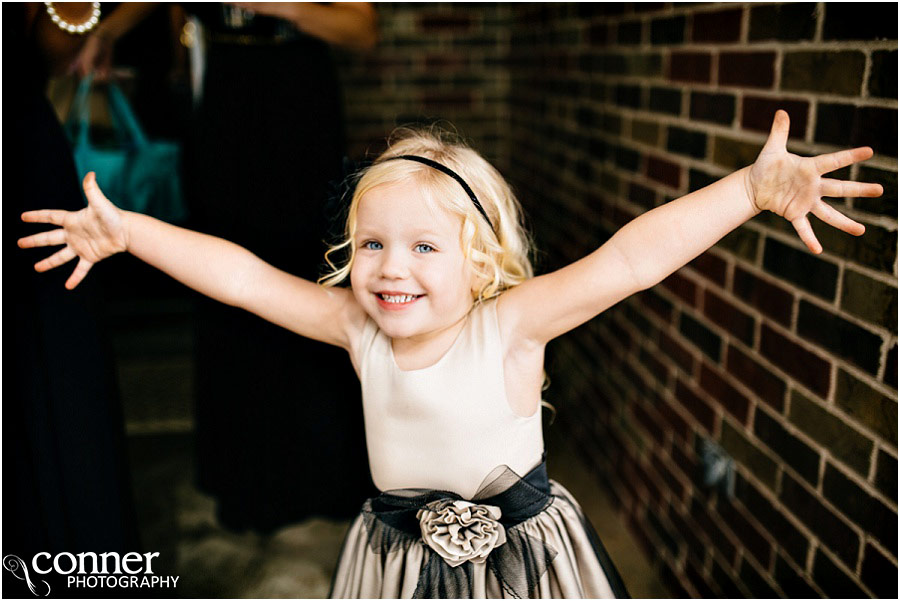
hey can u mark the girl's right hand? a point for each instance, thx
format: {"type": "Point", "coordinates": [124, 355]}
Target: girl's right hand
{"type": "Point", "coordinates": [91, 234]}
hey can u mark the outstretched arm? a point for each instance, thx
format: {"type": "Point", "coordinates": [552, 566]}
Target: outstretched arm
{"type": "Point", "coordinates": [348, 24]}
{"type": "Point", "coordinates": [659, 242]}
{"type": "Point", "coordinates": [212, 266]}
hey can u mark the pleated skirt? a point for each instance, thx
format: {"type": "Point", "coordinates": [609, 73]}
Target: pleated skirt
{"type": "Point", "coordinates": [580, 567]}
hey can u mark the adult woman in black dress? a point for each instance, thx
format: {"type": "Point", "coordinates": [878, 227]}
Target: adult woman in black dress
{"type": "Point", "coordinates": [67, 486]}
{"type": "Point", "coordinates": [278, 417]}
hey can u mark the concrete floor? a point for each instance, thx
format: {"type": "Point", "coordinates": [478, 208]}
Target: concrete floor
{"type": "Point", "coordinates": [153, 343]}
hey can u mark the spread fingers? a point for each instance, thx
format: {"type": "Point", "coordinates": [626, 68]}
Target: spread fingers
{"type": "Point", "coordinates": [835, 218]}
{"type": "Point", "coordinates": [54, 216]}
{"type": "Point", "coordinates": [56, 259]}
{"type": "Point", "coordinates": [839, 188]}
{"type": "Point", "coordinates": [51, 238]}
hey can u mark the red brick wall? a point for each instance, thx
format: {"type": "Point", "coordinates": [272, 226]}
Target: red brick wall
{"type": "Point", "coordinates": [599, 112]}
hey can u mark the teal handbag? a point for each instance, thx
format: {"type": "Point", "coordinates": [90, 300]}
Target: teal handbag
{"type": "Point", "coordinates": [137, 174]}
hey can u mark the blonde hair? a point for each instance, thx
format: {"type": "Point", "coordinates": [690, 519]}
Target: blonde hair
{"type": "Point", "coordinates": [500, 260]}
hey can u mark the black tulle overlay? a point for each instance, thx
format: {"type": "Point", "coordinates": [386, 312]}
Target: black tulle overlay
{"type": "Point", "coordinates": [392, 525]}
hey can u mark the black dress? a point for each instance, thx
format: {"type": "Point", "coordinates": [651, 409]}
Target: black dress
{"type": "Point", "coordinates": [65, 476]}
{"type": "Point", "coordinates": [278, 416]}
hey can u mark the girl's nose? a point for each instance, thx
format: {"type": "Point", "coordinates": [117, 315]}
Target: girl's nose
{"type": "Point", "coordinates": [394, 265]}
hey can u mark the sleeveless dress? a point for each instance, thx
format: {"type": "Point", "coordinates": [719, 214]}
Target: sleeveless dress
{"type": "Point", "coordinates": [468, 510]}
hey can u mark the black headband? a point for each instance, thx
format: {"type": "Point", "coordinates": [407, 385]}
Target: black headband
{"type": "Point", "coordinates": [451, 173]}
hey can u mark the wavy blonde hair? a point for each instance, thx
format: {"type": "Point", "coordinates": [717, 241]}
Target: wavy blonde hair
{"type": "Point", "coordinates": [500, 260]}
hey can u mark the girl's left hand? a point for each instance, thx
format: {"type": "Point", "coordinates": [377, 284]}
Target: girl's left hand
{"type": "Point", "coordinates": [792, 186]}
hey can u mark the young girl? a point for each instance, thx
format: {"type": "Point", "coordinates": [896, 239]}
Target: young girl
{"type": "Point", "coordinates": [446, 328]}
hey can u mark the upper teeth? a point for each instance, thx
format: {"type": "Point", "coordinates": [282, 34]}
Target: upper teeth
{"type": "Point", "coordinates": [398, 299]}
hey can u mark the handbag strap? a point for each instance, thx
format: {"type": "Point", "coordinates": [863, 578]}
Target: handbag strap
{"type": "Point", "coordinates": [124, 121]}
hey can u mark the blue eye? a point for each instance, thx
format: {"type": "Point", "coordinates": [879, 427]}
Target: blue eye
{"type": "Point", "coordinates": [372, 245]}
{"type": "Point", "coordinates": [424, 248]}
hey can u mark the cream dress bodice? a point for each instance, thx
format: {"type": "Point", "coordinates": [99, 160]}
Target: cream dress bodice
{"type": "Point", "coordinates": [446, 426]}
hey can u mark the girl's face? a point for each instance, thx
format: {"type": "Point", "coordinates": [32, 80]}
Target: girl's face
{"type": "Point", "coordinates": [409, 274]}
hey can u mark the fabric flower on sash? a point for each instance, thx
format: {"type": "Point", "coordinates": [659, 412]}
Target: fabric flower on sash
{"type": "Point", "coordinates": [460, 531]}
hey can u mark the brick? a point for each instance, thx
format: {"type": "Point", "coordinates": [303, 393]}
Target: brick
{"type": "Point", "coordinates": [793, 451]}
{"type": "Point", "coordinates": [696, 406]}
{"type": "Point", "coordinates": [726, 582]}
{"type": "Point", "coordinates": [645, 131]}
{"type": "Point", "coordinates": [843, 442]}
{"type": "Point", "coordinates": [727, 316]}
{"type": "Point", "coordinates": [665, 100]}
{"type": "Point", "coordinates": [711, 267]}
{"type": "Point", "coordinates": [689, 533]}
{"type": "Point", "coordinates": [758, 113]}
{"type": "Point", "coordinates": [869, 299]}
{"type": "Point", "coordinates": [693, 67]}
{"type": "Point", "coordinates": [792, 581]}
{"type": "Point", "coordinates": [747, 69]}
{"type": "Point", "coordinates": [757, 583]}
{"type": "Point", "coordinates": [674, 484]}
{"type": "Point", "coordinates": [641, 322]}
{"type": "Point", "coordinates": [598, 34]}
{"type": "Point", "coordinates": [703, 338]}
{"type": "Point", "coordinates": [788, 537]}
{"type": "Point", "coordinates": [760, 380]}
{"type": "Point", "coordinates": [699, 179]}
{"type": "Point", "coordinates": [886, 474]}
{"type": "Point", "coordinates": [786, 22]}
{"type": "Point", "coordinates": [642, 195]}
{"type": "Point", "coordinates": [750, 536]}
{"type": "Point", "coordinates": [715, 108]}
{"type": "Point", "coordinates": [741, 242]}
{"type": "Point", "coordinates": [713, 532]}
{"type": "Point", "coordinates": [629, 32]}
{"type": "Point", "coordinates": [699, 581]}
{"type": "Point", "coordinates": [748, 454]}
{"type": "Point", "coordinates": [687, 463]}
{"type": "Point", "coordinates": [727, 395]}
{"type": "Point", "coordinates": [879, 573]}
{"type": "Point", "coordinates": [664, 171]}
{"type": "Point", "coordinates": [886, 204]}
{"type": "Point", "coordinates": [446, 100]}
{"type": "Point", "coordinates": [890, 368]}
{"type": "Point", "coordinates": [836, 534]}
{"type": "Point", "coordinates": [834, 580]}
{"type": "Point", "coordinates": [668, 30]}
{"type": "Point", "coordinates": [863, 509]}
{"type": "Point", "coordinates": [876, 249]}
{"type": "Point", "coordinates": [627, 95]}
{"type": "Point", "coordinates": [849, 125]}
{"type": "Point", "coordinates": [771, 299]}
{"type": "Point", "coordinates": [627, 159]}
{"type": "Point", "coordinates": [433, 23]}
{"type": "Point", "coordinates": [839, 336]}
{"type": "Point", "coordinates": [867, 406]}
{"type": "Point", "coordinates": [674, 420]}
{"type": "Point", "coordinates": [811, 370]}
{"type": "Point", "coordinates": [808, 271]}
{"type": "Point", "coordinates": [719, 26]}
{"type": "Point", "coordinates": [823, 72]}
{"type": "Point", "coordinates": [883, 77]}
{"type": "Point", "coordinates": [647, 421]}
{"type": "Point", "coordinates": [869, 21]}
{"type": "Point", "coordinates": [657, 304]}
{"type": "Point", "coordinates": [684, 141]}
{"type": "Point", "coordinates": [662, 533]}
{"type": "Point", "coordinates": [672, 582]}
{"type": "Point", "coordinates": [681, 287]}
{"type": "Point", "coordinates": [734, 154]}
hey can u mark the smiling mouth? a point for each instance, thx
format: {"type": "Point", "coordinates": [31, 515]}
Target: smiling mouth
{"type": "Point", "coordinates": [397, 299]}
